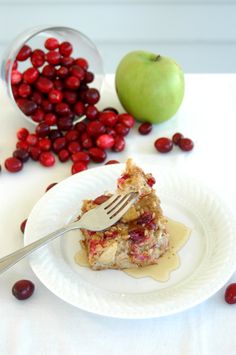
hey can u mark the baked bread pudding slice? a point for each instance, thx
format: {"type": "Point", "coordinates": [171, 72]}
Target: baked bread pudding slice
{"type": "Point", "coordinates": [139, 238]}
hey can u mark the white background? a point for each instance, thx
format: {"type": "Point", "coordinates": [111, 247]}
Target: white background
{"type": "Point", "coordinates": [199, 34]}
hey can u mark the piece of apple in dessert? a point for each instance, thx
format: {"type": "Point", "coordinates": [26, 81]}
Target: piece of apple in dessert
{"type": "Point", "coordinates": [140, 237]}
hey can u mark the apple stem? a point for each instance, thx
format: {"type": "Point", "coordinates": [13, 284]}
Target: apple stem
{"type": "Point", "coordinates": [157, 58]}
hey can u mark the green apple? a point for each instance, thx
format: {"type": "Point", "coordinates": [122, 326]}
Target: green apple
{"type": "Point", "coordinates": [150, 87]}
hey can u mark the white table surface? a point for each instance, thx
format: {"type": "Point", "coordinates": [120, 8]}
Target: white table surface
{"type": "Point", "coordinates": [45, 324]}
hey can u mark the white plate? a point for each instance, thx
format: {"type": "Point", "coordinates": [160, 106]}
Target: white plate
{"type": "Point", "coordinates": [207, 260]}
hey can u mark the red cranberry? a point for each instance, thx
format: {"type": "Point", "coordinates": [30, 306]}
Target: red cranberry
{"type": "Point", "coordinates": [145, 128]}
{"type": "Point", "coordinates": [21, 154]}
{"type": "Point", "coordinates": [88, 77]}
{"type": "Point", "coordinates": [50, 119]}
{"type": "Point", "coordinates": [45, 144]}
{"type": "Point", "coordinates": [30, 75]}
{"type": "Point", "coordinates": [64, 123]}
{"type": "Point", "coordinates": [108, 118]}
{"type": "Point", "coordinates": [34, 153]}
{"type": "Point", "coordinates": [76, 70]}
{"type": "Point", "coordinates": [110, 162]}
{"type": "Point", "coordinates": [53, 57]}
{"type": "Point", "coordinates": [24, 90]}
{"type": "Point", "coordinates": [151, 181]}
{"type": "Point", "coordinates": [119, 144]}
{"type": "Point", "coordinates": [37, 97]}
{"type": "Point", "coordinates": [95, 128]}
{"type": "Point", "coordinates": [70, 97]}
{"type": "Point", "coordinates": [46, 106]}
{"type": "Point", "coordinates": [51, 43]}
{"type": "Point", "coordinates": [97, 155]}
{"type": "Point", "coordinates": [101, 199]}
{"type": "Point", "coordinates": [47, 159]}
{"type": "Point", "coordinates": [62, 109]}
{"type": "Point", "coordinates": [38, 116]}
{"type": "Point", "coordinates": [74, 147]}
{"type": "Point", "coordinates": [24, 53]}
{"type": "Point", "coordinates": [80, 156]}
{"type": "Point", "coordinates": [64, 155]}
{"type": "Point", "coordinates": [105, 141]}
{"type": "Point", "coordinates": [82, 92]}
{"type": "Point", "coordinates": [91, 112]}
{"type": "Point", "coordinates": [32, 139]}
{"type": "Point", "coordinates": [72, 135]}
{"type": "Point", "coordinates": [37, 58]}
{"type": "Point", "coordinates": [54, 133]}
{"type": "Point", "coordinates": [27, 106]}
{"type": "Point", "coordinates": [16, 77]}
{"type": "Point", "coordinates": [121, 129]}
{"type": "Point", "coordinates": [176, 138]}
{"type": "Point", "coordinates": [137, 235]}
{"type": "Point", "coordinates": [42, 130]}
{"type": "Point", "coordinates": [58, 144]}
{"type": "Point", "coordinates": [13, 164]}
{"type": "Point", "coordinates": [92, 96]}
{"type": "Point", "coordinates": [22, 226]}
{"type": "Point", "coordinates": [49, 71]}
{"type": "Point", "coordinates": [80, 127]}
{"type": "Point", "coordinates": [44, 85]}
{"type": "Point", "coordinates": [22, 145]}
{"type": "Point", "coordinates": [163, 145]}
{"type": "Point", "coordinates": [50, 186]}
{"type": "Point", "coordinates": [72, 82]}
{"type": "Point", "coordinates": [186, 144]}
{"type": "Point", "coordinates": [111, 109]}
{"type": "Point", "coordinates": [65, 49]}
{"type": "Point", "coordinates": [82, 62]}
{"type": "Point", "coordinates": [62, 72]}
{"type": "Point", "coordinates": [23, 289]}
{"type": "Point", "coordinates": [126, 119]}
{"type": "Point", "coordinates": [67, 61]}
{"type": "Point", "coordinates": [79, 109]}
{"type": "Point", "coordinates": [145, 218]}
{"type": "Point", "coordinates": [78, 167]}
{"type": "Point", "coordinates": [58, 84]}
{"type": "Point", "coordinates": [86, 141]}
{"type": "Point", "coordinates": [55, 96]}
{"type": "Point", "coordinates": [22, 134]}
{"type": "Point", "coordinates": [111, 131]}
{"type": "Point", "coordinates": [230, 294]}
{"type": "Point", "coordinates": [14, 89]}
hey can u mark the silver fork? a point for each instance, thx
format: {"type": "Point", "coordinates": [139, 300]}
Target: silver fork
{"type": "Point", "coordinates": [97, 219]}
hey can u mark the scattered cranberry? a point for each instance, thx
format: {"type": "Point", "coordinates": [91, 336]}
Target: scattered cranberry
{"type": "Point", "coordinates": [21, 154]}
{"type": "Point", "coordinates": [32, 139]}
{"type": "Point", "coordinates": [121, 129]}
{"type": "Point", "coordinates": [22, 134]}
{"type": "Point", "coordinates": [77, 71]}
{"type": "Point", "coordinates": [151, 181]}
{"type": "Point", "coordinates": [92, 96]}
{"type": "Point", "coordinates": [78, 167]}
{"type": "Point", "coordinates": [176, 138]}
{"type": "Point", "coordinates": [89, 77]}
{"type": "Point", "coordinates": [145, 128]}
{"type": "Point", "coordinates": [50, 119]}
{"type": "Point", "coordinates": [65, 49]}
{"type": "Point", "coordinates": [70, 97]}
{"type": "Point", "coordinates": [46, 106]}
{"type": "Point", "coordinates": [186, 144]}
{"type": "Point", "coordinates": [13, 164]}
{"type": "Point", "coordinates": [62, 109]}
{"type": "Point", "coordinates": [64, 155]}
{"type": "Point", "coordinates": [82, 63]}
{"type": "Point", "coordinates": [62, 72]}
{"type": "Point", "coordinates": [42, 130]}
{"type": "Point", "coordinates": [47, 159]}
{"type": "Point", "coordinates": [30, 75]}
{"type": "Point", "coordinates": [79, 109]}
{"type": "Point", "coordinates": [86, 141]}
{"type": "Point", "coordinates": [49, 71]}
{"type": "Point", "coordinates": [80, 127]}
{"type": "Point", "coordinates": [97, 155]}
{"type": "Point", "coordinates": [74, 147]}
{"type": "Point", "coordinates": [119, 144]}
{"type": "Point", "coordinates": [37, 58]}
{"type": "Point", "coordinates": [44, 85]}
{"type": "Point", "coordinates": [101, 199]}
{"type": "Point", "coordinates": [53, 57]}
{"type": "Point", "coordinates": [163, 145]}
{"type": "Point", "coordinates": [95, 128]}
{"type": "Point", "coordinates": [64, 123]}
{"type": "Point", "coordinates": [80, 156]}
{"type": "Point", "coordinates": [34, 153]}
{"type": "Point", "coordinates": [136, 235]}
{"type": "Point", "coordinates": [126, 119]}
{"type": "Point", "coordinates": [72, 135]}
{"type": "Point", "coordinates": [51, 43]}
{"type": "Point", "coordinates": [24, 90]}
{"type": "Point", "coordinates": [110, 162]}
{"type": "Point", "coordinates": [45, 144]}
{"type": "Point", "coordinates": [22, 145]}
{"type": "Point", "coordinates": [230, 294]}
{"type": "Point", "coordinates": [91, 112]}
{"type": "Point", "coordinates": [38, 116]}
{"type": "Point", "coordinates": [105, 141]}
{"type": "Point", "coordinates": [72, 82]}
{"type": "Point", "coordinates": [58, 144]}
{"type": "Point", "coordinates": [24, 53]}
{"type": "Point", "coordinates": [54, 133]}
{"type": "Point", "coordinates": [67, 61]}
{"type": "Point", "coordinates": [50, 186]}
{"type": "Point", "coordinates": [22, 226]}
{"type": "Point", "coordinates": [58, 84]}
{"type": "Point", "coordinates": [55, 96]}
{"type": "Point", "coordinates": [37, 97]}
{"type": "Point", "coordinates": [23, 289]}
{"type": "Point", "coordinates": [108, 118]}
{"type": "Point", "coordinates": [16, 77]}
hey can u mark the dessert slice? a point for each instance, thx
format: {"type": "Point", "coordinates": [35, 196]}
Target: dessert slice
{"type": "Point", "coordinates": [139, 238]}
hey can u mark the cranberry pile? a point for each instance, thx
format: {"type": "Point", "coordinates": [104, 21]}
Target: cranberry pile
{"type": "Point", "coordinates": [54, 92]}
{"type": "Point", "coordinates": [165, 145]}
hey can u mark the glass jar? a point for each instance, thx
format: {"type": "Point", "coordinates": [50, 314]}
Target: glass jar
{"type": "Point", "coordinates": [35, 38]}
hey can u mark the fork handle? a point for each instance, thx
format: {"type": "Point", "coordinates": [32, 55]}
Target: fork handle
{"type": "Point", "coordinates": [7, 261]}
